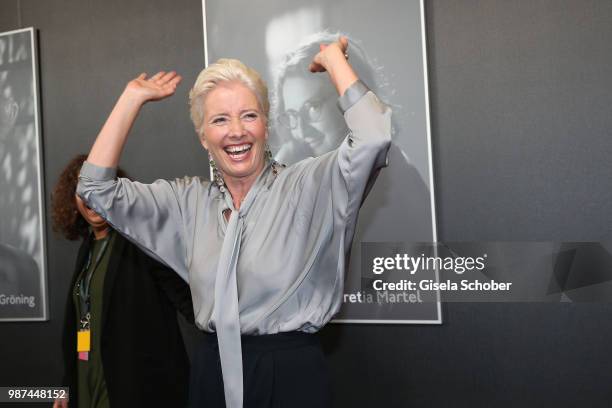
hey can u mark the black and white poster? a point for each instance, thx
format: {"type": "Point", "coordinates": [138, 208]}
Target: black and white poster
{"type": "Point", "coordinates": [22, 245]}
{"type": "Point", "coordinates": [387, 49]}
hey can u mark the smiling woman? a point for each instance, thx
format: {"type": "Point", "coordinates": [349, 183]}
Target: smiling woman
{"type": "Point", "coordinates": [233, 124]}
{"type": "Point", "coordinates": [234, 132]}
{"type": "Point", "coordinates": [263, 247]}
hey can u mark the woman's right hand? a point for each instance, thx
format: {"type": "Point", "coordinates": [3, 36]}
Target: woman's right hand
{"type": "Point", "coordinates": [159, 86]}
{"type": "Point", "coordinates": [111, 139]}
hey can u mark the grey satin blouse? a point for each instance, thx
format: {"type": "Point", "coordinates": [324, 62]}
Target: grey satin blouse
{"type": "Point", "coordinates": [278, 264]}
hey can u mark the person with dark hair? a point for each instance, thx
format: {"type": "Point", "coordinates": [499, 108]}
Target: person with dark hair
{"type": "Point", "coordinates": [121, 339]}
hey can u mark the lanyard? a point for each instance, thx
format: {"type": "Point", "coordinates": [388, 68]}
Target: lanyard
{"type": "Point", "coordinates": [84, 284]}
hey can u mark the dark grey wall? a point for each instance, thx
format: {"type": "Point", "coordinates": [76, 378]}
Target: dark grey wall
{"type": "Point", "coordinates": [520, 98]}
{"type": "Point", "coordinates": [88, 51]}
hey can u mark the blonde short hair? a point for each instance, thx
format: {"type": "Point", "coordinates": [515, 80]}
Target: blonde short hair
{"type": "Point", "coordinates": [225, 70]}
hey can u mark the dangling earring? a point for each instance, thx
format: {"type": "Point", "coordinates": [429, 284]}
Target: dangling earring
{"type": "Point", "coordinates": [217, 177]}
{"type": "Point", "coordinates": [268, 153]}
{"type": "Point", "coordinates": [275, 165]}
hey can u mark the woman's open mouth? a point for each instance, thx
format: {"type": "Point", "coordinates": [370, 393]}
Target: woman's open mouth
{"type": "Point", "coordinates": [238, 152]}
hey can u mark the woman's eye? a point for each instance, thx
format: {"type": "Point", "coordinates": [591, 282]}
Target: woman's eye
{"type": "Point", "coordinates": [250, 116]}
{"type": "Point", "coordinates": [218, 121]}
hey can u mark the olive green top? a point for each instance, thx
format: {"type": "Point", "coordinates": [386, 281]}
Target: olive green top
{"type": "Point", "coordinates": [91, 384]}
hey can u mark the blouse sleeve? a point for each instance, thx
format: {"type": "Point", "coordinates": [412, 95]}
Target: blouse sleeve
{"type": "Point", "coordinates": [351, 169]}
{"type": "Point", "coordinates": [150, 215]}
{"type": "Point", "coordinates": [364, 151]}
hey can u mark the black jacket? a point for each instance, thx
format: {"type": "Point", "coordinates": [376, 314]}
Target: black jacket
{"type": "Point", "coordinates": [143, 354]}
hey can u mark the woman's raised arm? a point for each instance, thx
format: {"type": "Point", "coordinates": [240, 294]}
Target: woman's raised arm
{"type": "Point", "coordinates": [349, 171]}
{"type": "Point", "coordinates": [150, 215]}
{"type": "Point", "coordinates": [108, 146]}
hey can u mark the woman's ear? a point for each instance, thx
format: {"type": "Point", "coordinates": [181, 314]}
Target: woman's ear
{"type": "Point", "coordinates": [203, 141]}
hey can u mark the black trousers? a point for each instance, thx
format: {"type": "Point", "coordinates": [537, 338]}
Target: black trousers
{"type": "Point", "coordinates": [279, 370]}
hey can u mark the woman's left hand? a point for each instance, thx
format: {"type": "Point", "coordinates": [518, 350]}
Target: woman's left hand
{"type": "Point", "coordinates": [329, 54]}
{"type": "Point", "coordinates": [333, 59]}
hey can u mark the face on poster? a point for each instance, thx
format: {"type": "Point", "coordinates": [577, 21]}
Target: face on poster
{"type": "Point", "coordinates": [22, 257]}
{"type": "Point", "coordinates": [386, 48]}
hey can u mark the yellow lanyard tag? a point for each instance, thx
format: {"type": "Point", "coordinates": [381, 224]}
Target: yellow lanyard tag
{"type": "Point", "coordinates": [83, 340]}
